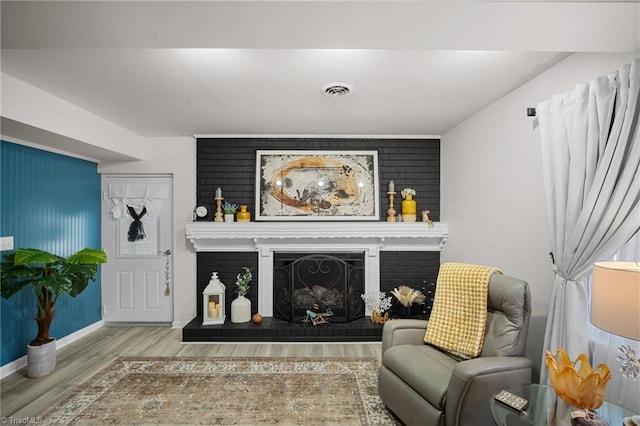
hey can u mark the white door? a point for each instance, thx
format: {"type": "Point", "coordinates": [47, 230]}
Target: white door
{"type": "Point", "coordinates": [138, 239]}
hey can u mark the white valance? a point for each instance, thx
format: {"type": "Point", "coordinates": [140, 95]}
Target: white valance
{"type": "Point", "coordinates": [137, 196]}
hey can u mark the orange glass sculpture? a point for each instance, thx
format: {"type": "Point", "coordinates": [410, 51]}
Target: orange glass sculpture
{"type": "Point", "coordinates": [581, 387]}
{"type": "Point", "coordinates": [379, 319]}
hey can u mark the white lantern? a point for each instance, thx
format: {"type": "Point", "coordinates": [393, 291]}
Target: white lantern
{"type": "Point", "coordinates": [213, 311]}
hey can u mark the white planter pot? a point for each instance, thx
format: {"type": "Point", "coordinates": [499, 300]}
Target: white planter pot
{"type": "Point", "coordinates": [41, 360]}
{"type": "Point", "coordinates": [229, 217]}
{"type": "Point", "coordinates": [241, 310]}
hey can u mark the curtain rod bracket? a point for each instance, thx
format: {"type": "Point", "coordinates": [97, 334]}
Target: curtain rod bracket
{"type": "Point", "coordinates": [531, 112]}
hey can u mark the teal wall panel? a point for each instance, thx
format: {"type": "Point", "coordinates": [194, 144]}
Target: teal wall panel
{"type": "Point", "coordinates": [51, 202]}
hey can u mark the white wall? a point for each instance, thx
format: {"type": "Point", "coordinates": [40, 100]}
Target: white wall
{"type": "Point", "coordinates": [32, 115]}
{"type": "Point", "coordinates": [491, 184]}
{"type": "Point", "coordinates": [175, 156]}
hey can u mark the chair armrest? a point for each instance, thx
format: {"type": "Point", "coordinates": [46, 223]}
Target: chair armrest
{"type": "Point", "coordinates": [403, 332]}
{"type": "Point", "coordinates": [468, 369]}
{"type": "Point", "coordinates": [474, 381]}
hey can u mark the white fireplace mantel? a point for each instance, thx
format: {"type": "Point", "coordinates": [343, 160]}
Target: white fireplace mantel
{"type": "Point", "coordinates": [252, 236]}
{"type": "Point", "coordinates": [268, 238]}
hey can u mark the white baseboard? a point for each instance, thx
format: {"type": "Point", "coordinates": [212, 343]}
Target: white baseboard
{"type": "Point", "coordinates": [179, 324]}
{"type": "Point", "coordinates": [21, 362]}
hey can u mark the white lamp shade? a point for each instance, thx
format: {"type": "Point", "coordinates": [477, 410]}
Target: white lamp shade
{"type": "Point", "coordinates": [615, 298]}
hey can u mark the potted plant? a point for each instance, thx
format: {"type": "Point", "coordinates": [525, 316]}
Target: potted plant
{"type": "Point", "coordinates": [241, 306]}
{"type": "Point", "coordinates": [229, 211]}
{"type": "Point", "coordinates": [50, 276]}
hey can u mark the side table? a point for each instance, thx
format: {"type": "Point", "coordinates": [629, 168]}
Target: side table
{"type": "Point", "coordinates": [545, 408]}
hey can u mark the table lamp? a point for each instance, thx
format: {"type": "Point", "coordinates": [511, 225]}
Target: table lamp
{"type": "Point", "coordinates": [615, 307]}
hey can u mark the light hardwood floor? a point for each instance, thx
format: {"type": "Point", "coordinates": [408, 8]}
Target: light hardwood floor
{"type": "Point", "coordinates": [21, 397]}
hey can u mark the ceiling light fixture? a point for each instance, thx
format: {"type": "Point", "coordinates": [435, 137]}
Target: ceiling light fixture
{"type": "Point", "coordinates": [337, 89]}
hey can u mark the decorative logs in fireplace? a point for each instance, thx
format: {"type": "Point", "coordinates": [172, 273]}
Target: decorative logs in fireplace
{"type": "Point", "coordinates": [320, 282]}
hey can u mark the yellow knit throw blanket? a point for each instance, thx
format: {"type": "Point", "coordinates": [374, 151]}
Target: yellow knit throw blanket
{"type": "Point", "coordinates": [459, 316]}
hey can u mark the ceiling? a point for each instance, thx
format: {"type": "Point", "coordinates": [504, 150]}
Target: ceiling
{"type": "Point", "coordinates": [162, 68]}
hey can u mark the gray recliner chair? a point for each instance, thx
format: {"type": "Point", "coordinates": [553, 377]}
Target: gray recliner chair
{"type": "Point", "coordinates": [425, 386]}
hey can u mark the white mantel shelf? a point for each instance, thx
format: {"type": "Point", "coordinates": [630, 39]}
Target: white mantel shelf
{"type": "Point", "coordinates": [255, 236]}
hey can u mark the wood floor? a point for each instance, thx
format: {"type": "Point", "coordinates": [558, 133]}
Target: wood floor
{"type": "Point", "coordinates": [21, 397]}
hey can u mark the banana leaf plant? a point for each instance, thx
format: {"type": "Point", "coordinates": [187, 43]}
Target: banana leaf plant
{"type": "Point", "coordinates": [50, 276]}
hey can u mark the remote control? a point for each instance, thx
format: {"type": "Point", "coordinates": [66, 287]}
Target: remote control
{"type": "Point", "coordinates": [511, 400]}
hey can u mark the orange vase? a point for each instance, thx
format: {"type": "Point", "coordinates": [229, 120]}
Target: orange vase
{"type": "Point", "coordinates": [243, 215]}
{"type": "Point", "coordinates": [409, 209]}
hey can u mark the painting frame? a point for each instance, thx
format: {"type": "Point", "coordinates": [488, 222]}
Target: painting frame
{"type": "Point", "coordinates": [317, 185]}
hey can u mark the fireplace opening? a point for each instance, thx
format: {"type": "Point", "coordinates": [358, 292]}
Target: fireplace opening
{"type": "Point", "coordinates": [320, 282]}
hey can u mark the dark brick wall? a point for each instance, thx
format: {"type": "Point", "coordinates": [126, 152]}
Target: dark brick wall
{"type": "Point", "coordinates": [417, 270]}
{"type": "Point", "coordinates": [230, 164]}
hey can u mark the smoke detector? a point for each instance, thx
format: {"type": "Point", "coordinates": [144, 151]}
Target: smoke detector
{"type": "Point", "coordinates": [337, 89]}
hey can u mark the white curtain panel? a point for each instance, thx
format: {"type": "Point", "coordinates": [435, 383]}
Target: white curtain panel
{"type": "Point", "coordinates": [138, 196]}
{"type": "Point", "coordinates": [591, 166]}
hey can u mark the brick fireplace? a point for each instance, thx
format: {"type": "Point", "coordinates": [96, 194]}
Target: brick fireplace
{"type": "Point", "coordinates": [395, 251]}
{"type": "Point", "coordinates": [268, 238]}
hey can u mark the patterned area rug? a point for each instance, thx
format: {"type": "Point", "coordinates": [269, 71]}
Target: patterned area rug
{"type": "Point", "coordinates": [227, 391]}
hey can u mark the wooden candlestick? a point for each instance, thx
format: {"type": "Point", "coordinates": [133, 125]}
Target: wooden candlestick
{"type": "Point", "coordinates": [391, 212]}
{"type": "Point", "coordinates": [219, 216]}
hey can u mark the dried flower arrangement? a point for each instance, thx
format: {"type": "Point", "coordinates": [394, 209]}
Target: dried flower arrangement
{"type": "Point", "coordinates": [407, 296]}
{"type": "Point", "coordinates": [243, 281]}
{"type": "Point", "coordinates": [377, 301]}
{"type": "Point", "coordinates": [408, 191]}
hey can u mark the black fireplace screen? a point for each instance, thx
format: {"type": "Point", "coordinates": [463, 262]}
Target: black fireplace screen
{"type": "Point", "coordinates": [320, 282]}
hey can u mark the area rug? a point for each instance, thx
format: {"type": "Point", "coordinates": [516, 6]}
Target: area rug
{"type": "Point", "coordinates": [227, 391]}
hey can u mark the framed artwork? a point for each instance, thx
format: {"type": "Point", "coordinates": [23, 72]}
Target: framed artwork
{"type": "Point", "coordinates": [317, 185]}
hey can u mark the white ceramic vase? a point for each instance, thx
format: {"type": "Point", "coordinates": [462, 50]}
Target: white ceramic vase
{"type": "Point", "coordinates": [229, 217]}
{"type": "Point", "coordinates": [241, 310]}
